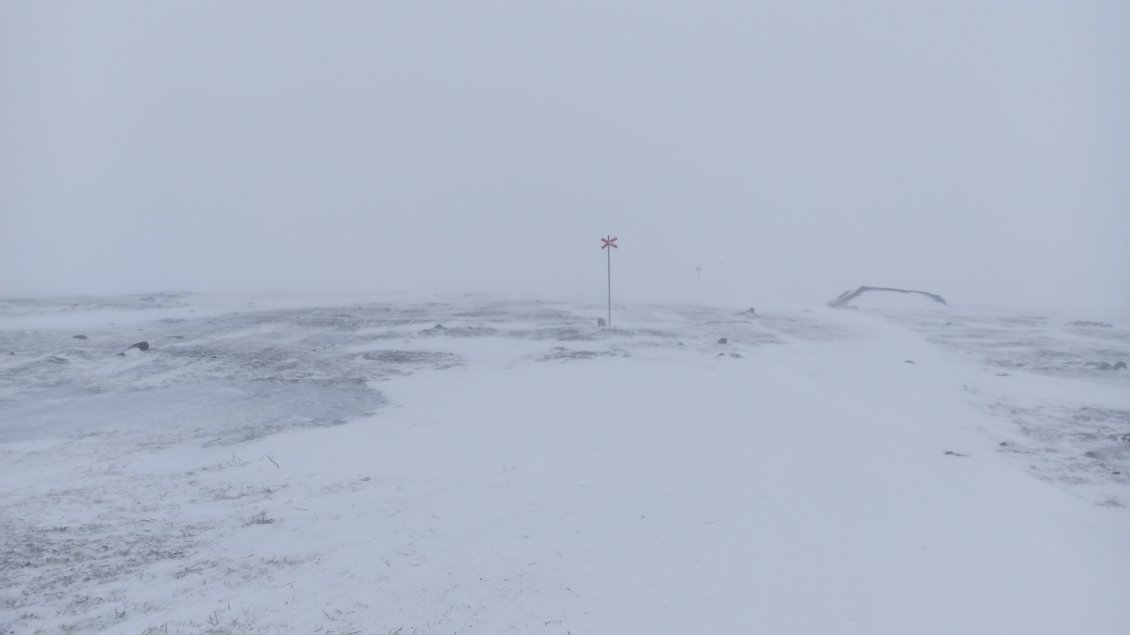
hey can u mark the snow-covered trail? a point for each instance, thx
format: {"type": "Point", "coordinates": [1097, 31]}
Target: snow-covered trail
{"type": "Point", "coordinates": [791, 493]}
{"type": "Point", "coordinates": [820, 484]}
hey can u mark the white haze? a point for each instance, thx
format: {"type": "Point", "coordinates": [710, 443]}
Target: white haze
{"type": "Point", "coordinates": [977, 149]}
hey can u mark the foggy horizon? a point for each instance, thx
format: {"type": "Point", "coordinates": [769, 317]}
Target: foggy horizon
{"type": "Point", "coordinates": [305, 324]}
{"type": "Point", "coordinates": [979, 152]}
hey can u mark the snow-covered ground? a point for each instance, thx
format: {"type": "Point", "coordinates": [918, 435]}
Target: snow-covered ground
{"type": "Point", "coordinates": [476, 465]}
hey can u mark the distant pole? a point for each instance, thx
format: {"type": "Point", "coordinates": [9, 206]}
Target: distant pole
{"type": "Point", "coordinates": [609, 243]}
{"type": "Point", "coordinates": [609, 287]}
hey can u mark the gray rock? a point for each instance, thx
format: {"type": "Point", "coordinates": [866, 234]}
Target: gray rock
{"type": "Point", "coordinates": [79, 337]}
{"type": "Point", "coordinates": [848, 296]}
{"type": "Point", "coordinates": [722, 340]}
{"type": "Point", "coordinates": [141, 346]}
{"type": "Point", "coordinates": [1091, 324]}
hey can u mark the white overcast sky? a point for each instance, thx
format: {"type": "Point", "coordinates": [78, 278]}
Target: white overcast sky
{"type": "Point", "coordinates": [972, 147]}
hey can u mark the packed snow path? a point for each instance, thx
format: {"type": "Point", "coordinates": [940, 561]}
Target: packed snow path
{"type": "Point", "coordinates": [487, 466]}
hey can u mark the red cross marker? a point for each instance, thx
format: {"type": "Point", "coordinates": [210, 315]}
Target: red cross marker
{"type": "Point", "coordinates": [609, 241]}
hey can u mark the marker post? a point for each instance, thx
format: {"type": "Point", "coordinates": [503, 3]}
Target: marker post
{"type": "Point", "coordinates": [609, 243]}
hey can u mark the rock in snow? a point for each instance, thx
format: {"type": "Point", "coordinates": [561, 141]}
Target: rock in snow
{"type": "Point", "coordinates": [848, 296]}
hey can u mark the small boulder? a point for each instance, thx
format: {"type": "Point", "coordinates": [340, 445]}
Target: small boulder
{"type": "Point", "coordinates": [1119, 365]}
{"type": "Point", "coordinates": [909, 361]}
{"type": "Point", "coordinates": [141, 346]}
{"type": "Point", "coordinates": [79, 337]}
{"type": "Point", "coordinates": [722, 340]}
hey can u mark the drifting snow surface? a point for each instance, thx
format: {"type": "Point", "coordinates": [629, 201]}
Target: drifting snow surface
{"type": "Point", "coordinates": [481, 466]}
